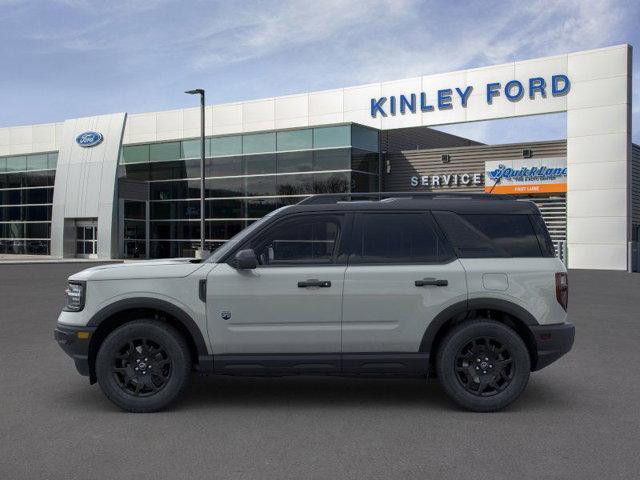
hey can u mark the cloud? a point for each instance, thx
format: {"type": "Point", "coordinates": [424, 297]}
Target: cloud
{"type": "Point", "coordinates": [261, 48]}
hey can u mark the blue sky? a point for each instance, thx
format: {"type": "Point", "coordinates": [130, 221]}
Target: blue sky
{"type": "Point", "coordinates": [72, 58]}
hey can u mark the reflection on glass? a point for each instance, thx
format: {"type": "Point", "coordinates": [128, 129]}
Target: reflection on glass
{"type": "Point", "coordinates": [295, 162]}
{"type": "Point", "coordinates": [259, 143]}
{"type": "Point", "coordinates": [160, 152]}
{"type": "Point", "coordinates": [326, 137]}
{"type": "Point", "coordinates": [295, 140]}
{"type": "Point", "coordinates": [261, 186]}
{"type": "Point", "coordinates": [257, 164]}
{"type": "Point", "coordinates": [224, 166]}
{"type": "Point", "coordinates": [225, 187]}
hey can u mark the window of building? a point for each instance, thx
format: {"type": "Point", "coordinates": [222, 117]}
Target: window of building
{"type": "Point", "coordinates": [223, 146]}
{"type": "Point", "coordinates": [331, 182]}
{"type": "Point", "coordinates": [295, 162]}
{"type": "Point", "coordinates": [261, 185]}
{"type": "Point", "coordinates": [16, 164]}
{"type": "Point", "coordinates": [327, 137]}
{"type": "Point", "coordinates": [52, 160]}
{"type": "Point", "coordinates": [338, 159]}
{"type": "Point", "coordinates": [304, 240]}
{"type": "Point", "coordinates": [398, 238]}
{"type": "Point", "coordinates": [192, 148]}
{"type": "Point", "coordinates": [37, 162]}
{"type": "Point", "coordinates": [260, 164]}
{"type": "Point", "coordinates": [224, 166]}
{"type": "Point", "coordinates": [259, 143]}
{"type": "Point", "coordinates": [135, 154]}
{"type": "Point", "coordinates": [225, 208]}
{"type": "Point", "coordinates": [295, 184]}
{"type": "Point", "coordinates": [295, 140]}
{"type": "Point", "coordinates": [364, 138]}
{"type": "Point", "coordinates": [134, 210]}
{"type": "Point", "coordinates": [160, 152]}
{"type": "Point", "coordinates": [225, 187]}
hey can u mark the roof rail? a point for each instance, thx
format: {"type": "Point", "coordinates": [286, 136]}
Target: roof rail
{"type": "Point", "coordinates": [329, 198]}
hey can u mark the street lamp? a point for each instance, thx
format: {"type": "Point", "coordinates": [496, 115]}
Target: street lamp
{"type": "Point", "coordinates": [199, 91]}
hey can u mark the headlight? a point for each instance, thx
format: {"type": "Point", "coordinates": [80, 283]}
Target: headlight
{"type": "Point", "coordinates": [75, 296]}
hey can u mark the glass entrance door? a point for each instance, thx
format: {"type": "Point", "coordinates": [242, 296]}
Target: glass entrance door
{"type": "Point", "coordinates": [86, 239]}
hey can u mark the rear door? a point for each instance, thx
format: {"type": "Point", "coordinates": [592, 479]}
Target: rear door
{"type": "Point", "coordinates": [401, 274]}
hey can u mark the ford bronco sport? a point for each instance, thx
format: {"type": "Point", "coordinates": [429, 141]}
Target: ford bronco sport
{"type": "Point", "coordinates": [463, 288]}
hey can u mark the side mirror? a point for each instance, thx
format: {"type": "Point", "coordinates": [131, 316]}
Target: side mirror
{"type": "Point", "coordinates": [245, 260]}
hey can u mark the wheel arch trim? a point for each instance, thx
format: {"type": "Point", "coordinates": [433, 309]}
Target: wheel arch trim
{"type": "Point", "coordinates": [156, 304]}
{"type": "Point", "coordinates": [466, 306]}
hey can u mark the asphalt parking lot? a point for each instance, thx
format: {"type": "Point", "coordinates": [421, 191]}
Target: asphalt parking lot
{"type": "Point", "coordinates": [579, 418]}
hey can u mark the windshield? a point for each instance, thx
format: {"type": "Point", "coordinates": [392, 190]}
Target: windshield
{"type": "Point", "coordinates": [240, 237]}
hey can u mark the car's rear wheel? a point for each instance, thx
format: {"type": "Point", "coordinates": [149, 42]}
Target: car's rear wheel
{"type": "Point", "coordinates": [143, 365]}
{"type": "Point", "coordinates": [483, 365]}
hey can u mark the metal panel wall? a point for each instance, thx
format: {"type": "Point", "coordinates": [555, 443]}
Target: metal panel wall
{"type": "Point", "coordinates": [471, 159]}
{"type": "Point", "coordinates": [635, 184]}
{"type": "Point", "coordinates": [85, 185]}
{"type": "Point", "coordinates": [410, 163]}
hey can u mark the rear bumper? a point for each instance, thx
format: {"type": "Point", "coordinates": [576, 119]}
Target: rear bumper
{"type": "Point", "coordinates": [75, 343]}
{"type": "Point", "coordinates": [552, 342]}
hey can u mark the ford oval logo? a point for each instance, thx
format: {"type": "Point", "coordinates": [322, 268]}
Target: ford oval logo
{"type": "Point", "coordinates": [89, 139]}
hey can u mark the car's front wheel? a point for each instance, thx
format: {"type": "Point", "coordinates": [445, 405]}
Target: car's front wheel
{"type": "Point", "coordinates": [143, 365]}
{"type": "Point", "coordinates": [483, 365]}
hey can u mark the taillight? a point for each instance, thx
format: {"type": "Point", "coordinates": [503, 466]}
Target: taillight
{"type": "Point", "coordinates": [562, 289]}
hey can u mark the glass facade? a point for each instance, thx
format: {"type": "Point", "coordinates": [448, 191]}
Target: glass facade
{"type": "Point", "coordinates": [247, 176]}
{"type": "Point", "coordinates": [26, 197]}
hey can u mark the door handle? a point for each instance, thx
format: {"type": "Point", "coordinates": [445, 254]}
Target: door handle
{"type": "Point", "coordinates": [314, 283]}
{"type": "Point", "coordinates": [431, 281]}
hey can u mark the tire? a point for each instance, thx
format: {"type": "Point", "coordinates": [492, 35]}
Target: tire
{"type": "Point", "coordinates": [126, 361]}
{"type": "Point", "coordinates": [483, 365]}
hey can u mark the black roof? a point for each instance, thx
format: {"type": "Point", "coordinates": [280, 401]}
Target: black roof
{"type": "Point", "coordinates": [459, 203]}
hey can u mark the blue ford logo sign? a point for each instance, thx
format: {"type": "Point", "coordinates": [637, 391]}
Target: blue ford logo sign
{"type": "Point", "coordinates": [89, 139]}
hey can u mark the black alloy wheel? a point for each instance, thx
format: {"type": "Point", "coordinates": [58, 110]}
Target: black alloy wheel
{"type": "Point", "coordinates": [143, 365]}
{"type": "Point", "coordinates": [483, 365]}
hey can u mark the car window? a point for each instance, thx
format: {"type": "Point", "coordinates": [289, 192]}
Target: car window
{"type": "Point", "coordinates": [309, 239]}
{"type": "Point", "coordinates": [398, 238]}
{"type": "Point", "coordinates": [484, 235]}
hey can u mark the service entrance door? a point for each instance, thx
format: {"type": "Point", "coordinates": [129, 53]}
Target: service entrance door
{"type": "Point", "coordinates": [87, 239]}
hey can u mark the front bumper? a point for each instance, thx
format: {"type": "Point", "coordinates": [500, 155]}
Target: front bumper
{"type": "Point", "coordinates": [75, 343]}
{"type": "Point", "coordinates": [552, 342]}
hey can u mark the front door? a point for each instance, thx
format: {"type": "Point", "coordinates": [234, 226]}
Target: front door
{"type": "Point", "coordinates": [291, 303]}
{"type": "Point", "coordinates": [401, 274]}
{"type": "Point", "coordinates": [87, 239]}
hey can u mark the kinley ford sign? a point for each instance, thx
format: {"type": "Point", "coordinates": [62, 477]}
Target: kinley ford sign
{"type": "Point", "coordinates": [518, 176]}
{"type": "Point", "coordinates": [445, 99]}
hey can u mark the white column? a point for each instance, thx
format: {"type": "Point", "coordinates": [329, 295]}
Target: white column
{"type": "Point", "coordinates": [599, 158]}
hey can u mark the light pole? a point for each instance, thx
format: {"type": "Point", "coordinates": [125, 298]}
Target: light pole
{"type": "Point", "coordinates": [199, 91]}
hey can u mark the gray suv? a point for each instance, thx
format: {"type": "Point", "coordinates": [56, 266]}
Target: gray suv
{"type": "Point", "coordinates": [463, 288]}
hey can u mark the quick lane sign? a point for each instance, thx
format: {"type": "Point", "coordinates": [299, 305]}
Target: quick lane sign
{"type": "Point", "coordinates": [445, 99]}
{"type": "Point", "coordinates": [544, 175]}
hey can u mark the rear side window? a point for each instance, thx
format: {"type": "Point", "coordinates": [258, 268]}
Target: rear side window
{"type": "Point", "coordinates": [398, 238]}
{"type": "Point", "coordinates": [475, 236]}
{"type": "Point", "coordinates": [544, 239]}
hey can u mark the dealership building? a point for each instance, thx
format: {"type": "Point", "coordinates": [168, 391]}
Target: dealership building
{"type": "Point", "coordinates": [127, 185]}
